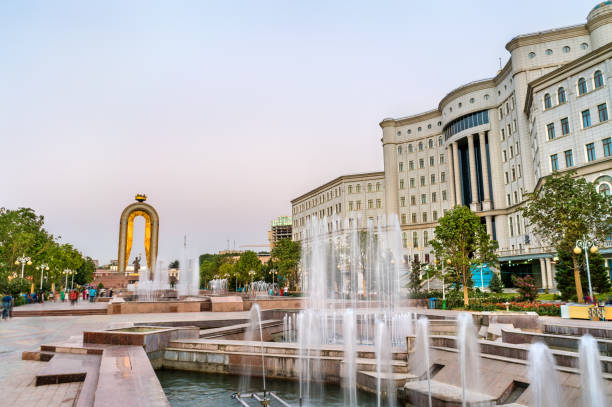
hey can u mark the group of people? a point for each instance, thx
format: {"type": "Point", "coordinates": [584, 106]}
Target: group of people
{"type": "Point", "coordinates": [73, 295]}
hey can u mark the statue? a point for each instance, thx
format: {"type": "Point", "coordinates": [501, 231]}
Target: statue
{"type": "Point", "coordinates": [136, 264]}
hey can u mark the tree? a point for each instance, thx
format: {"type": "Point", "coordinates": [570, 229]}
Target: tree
{"type": "Point", "coordinates": [286, 254]}
{"type": "Point", "coordinates": [414, 284]}
{"type": "Point", "coordinates": [248, 261]}
{"type": "Point", "coordinates": [84, 273]}
{"type": "Point", "coordinates": [496, 285]}
{"type": "Point", "coordinates": [566, 209]}
{"type": "Point", "coordinates": [564, 276]}
{"type": "Point", "coordinates": [175, 264]}
{"type": "Point", "coordinates": [526, 287]}
{"type": "Point", "coordinates": [460, 244]}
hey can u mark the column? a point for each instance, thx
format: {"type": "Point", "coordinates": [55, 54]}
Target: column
{"type": "Point", "coordinates": [451, 174]}
{"type": "Point", "coordinates": [456, 174]}
{"type": "Point", "coordinates": [391, 169]}
{"type": "Point", "coordinates": [486, 203]}
{"type": "Point", "coordinates": [543, 272]}
{"type": "Point", "coordinates": [472, 158]}
{"type": "Point", "coordinates": [549, 272]}
{"type": "Point", "coordinates": [489, 223]}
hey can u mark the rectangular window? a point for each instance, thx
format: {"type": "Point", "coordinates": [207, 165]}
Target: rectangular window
{"type": "Point", "coordinates": [424, 217]}
{"type": "Point", "coordinates": [432, 161]}
{"type": "Point", "coordinates": [586, 118]}
{"type": "Point", "coordinates": [422, 181]}
{"type": "Point", "coordinates": [414, 218]}
{"type": "Point", "coordinates": [434, 215]}
{"type": "Point", "coordinates": [515, 197]}
{"type": "Point", "coordinates": [350, 189]}
{"type": "Point", "coordinates": [441, 158]}
{"type": "Point", "coordinates": [377, 186]}
{"type": "Point", "coordinates": [590, 150]}
{"type": "Point", "coordinates": [565, 126]}
{"type": "Point", "coordinates": [433, 179]}
{"type": "Point", "coordinates": [550, 131]}
{"type": "Point", "coordinates": [603, 112]}
{"type": "Point", "coordinates": [370, 204]}
{"type": "Point", "coordinates": [511, 152]}
{"type": "Point", "coordinates": [358, 188]}
{"type": "Point", "coordinates": [401, 166]}
{"type": "Point", "coordinates": [350, 205]}
{"type": "Point", "coordinates": [554, 162]}
{"type": "Point", "coordinates": [569, 158]}
{"type": "Point", "coordinates": [423, 198]}
{"type": "Point", "coordinates": [378, 203]}
{"type": "Point", "coordinates": [509, 127]}
{"type": "Point", "coordinates": [415, 239]}
{"type": "Point", "coordinates": [411, 165]}
{"type": "Point", "coordinates": [370, 185]}
{"type": "Point", "coordinates": [503, 134]}
{"type": "Point", "coordinates": [508, 201]}
{"type": "Point", "coordinates": [358, 205]}
{"type": "Point", "coordinates": [413, 200]}
{"type": "Point", "coordinates": [518, 225]}
{"type": "Point", "coordinates": [433, 197]}
{"type": "Point", "coordinates": [403, 218]}
{"type": "Point", "coordinates": [607, 147]}
{"type": "Point", "coordinates": [403, 201]}
{"type": "Point", "coordinates": [401, 184]}
{"type": "Point", "coordinates": [442, 177]}
{"type": "Point", "coordinates": [444, 195]}
{"type": "Point", "coordinates": [505, 155]}
{"type": "Point", "coordinates": [411, 182]}
{"type": "Point", "coordinates": [506, 177]}
{"type": "Point", "coordinates": [511, 226]}
{"type": "Point", "coordinates": [421, 163]}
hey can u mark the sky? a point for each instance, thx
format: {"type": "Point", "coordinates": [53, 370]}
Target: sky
{"type": "Point", "coordinates": [223, 111]}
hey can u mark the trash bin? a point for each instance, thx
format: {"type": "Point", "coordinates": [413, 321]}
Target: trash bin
{"type": "Point", "coordinates": [432, 303]}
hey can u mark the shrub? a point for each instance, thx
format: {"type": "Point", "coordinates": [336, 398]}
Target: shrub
{"type": "Point", "coordinates": [496, 285]}
{"type": "Point", "coordinates": [526, 287]}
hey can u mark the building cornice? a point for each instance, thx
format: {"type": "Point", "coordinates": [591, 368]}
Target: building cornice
{"type": "Point", "coordinates": [591, 58]}
{"type": "Point", "coordinates": [599, 20]}
{"type": "Point", "coordinates": [343, 178]}
{"type": "Point", "coordinates": [403, 121]}
{"type": "Point", "coordinates": [545, 36]}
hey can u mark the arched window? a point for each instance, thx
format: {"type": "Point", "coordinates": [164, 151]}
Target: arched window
{"type": "Point", "coordinates": [598, 79]}
{"type": "Point", "coordinates": [547, 101]}
{"type": "Point", "coordinates": [582, 86]}
{"type": "Point", "coordinates": [561, 95]}
{"type": "Point", "coordinates": [604, 189]}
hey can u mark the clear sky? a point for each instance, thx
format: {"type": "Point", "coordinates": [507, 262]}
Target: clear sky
{"type": "Point", "coordinates": [222, 112]}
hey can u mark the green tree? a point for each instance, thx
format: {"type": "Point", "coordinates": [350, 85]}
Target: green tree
{"type": "Point", "coordinates": [175, 264]}
{"type": "Point", "coordinates": [564, 275]}
{"type": "Point", "coordinates": [566, 209]}
{"type": "Point", "coordinates": [228, 270]}
{"type": "Point", "coordinates": [84, 273]}
{"type": "Point", "coordinates": [460, 244]}
{"type": "Point", "coordinates": [248, 261]}
{"type": "Point", "coordinates": [414, 283]}
{"type": "Point", "coordinates": [286, 254]}
{"type": "Point", "coordinates": [496, 285]}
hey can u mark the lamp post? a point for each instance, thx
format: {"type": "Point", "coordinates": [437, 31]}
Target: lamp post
{"type": "Point", "coordinates": [23, 260]}
{"type": "Point", "coordinates": [273, 272]}
{"type": "Point", "coordinates": [67, 272]}
{"type": "Point", "coordinates": [42, 267]}
{"type": "Point", "coordinates": [251, 273]}
{"type": "Point", "coordinates": [586, 245]}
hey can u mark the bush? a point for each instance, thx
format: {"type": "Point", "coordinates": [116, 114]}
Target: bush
{"type": "Point", "coordinates": [526, 287]}
{"type": "Point", "coordinates": [496, 285]}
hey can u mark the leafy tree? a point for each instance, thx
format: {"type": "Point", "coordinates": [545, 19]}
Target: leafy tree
{"type": "Point", "coordinates": [526, 287]}
{"type": "Point", "coordinates": [248, 261]}
{"type": "Point", "coordinates": [566, 209]}
{"type": "Point", "coordinates": [84, 273]}
{"type": "Point", "coordinates": [286, 254]}
{"type": "Point", "coordinates": [414, 283]}
{"type": "Point", "coordinates": [228, 270]}
{"type": "Point", "coordinates": [175, 264]}
{"type": "Point", "coordinates": [564, 276]}
{"type": "Point", "coordinates": [460, 244]}
{"type": "Point", "coordinates": [496, 285]}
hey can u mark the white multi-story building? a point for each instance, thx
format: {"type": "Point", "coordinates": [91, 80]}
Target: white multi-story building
{"type": "Point", "coordinates": [491, 141]}
{"type": "Point", "coordinates": [349, 198]}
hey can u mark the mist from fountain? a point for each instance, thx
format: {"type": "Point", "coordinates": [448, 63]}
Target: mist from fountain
{"type": "Point", "coordinates": [350, 358]}
{"type": "Point", "coordinates": [593, 394]}
{"type": "Point", "coordinates": [543, 377]}
{"type": "Point", "coordinates": [189, 277]}
{"type": "Point", "coordinates": [420, 363]}
{"type": "Point", "coordinates": [469, 356]}
{"type": "Point", "coordinates": [253, 333]}
{"type": "Point", "coordinates": [149, 289]}
{"type": "Point", "coordinates": [218, 286]}
{"type": "Point", "coordinates": [384, 366]}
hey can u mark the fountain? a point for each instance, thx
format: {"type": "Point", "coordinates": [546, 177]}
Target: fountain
{"type": "Point", "coordinates": [350, 358]}
{"type": "Point", "coordinates": [420, 363]}
{"type": "Point", "coordinates": [469, 356]}
{"type": "Point", "coordinates": [154, 289]}
{"type": "Point", "coordinates": [590, 373]}
{"type": "Point", "coordinates": [218, 286]}
{"type": "Point", "coordinates": [384, 367]}
{"type": "Point", "coordinates": [252, 334]}
{"type": "Point", "coordinates": [189, 278]}
{"type": "Point", "coordinates": [543, 377]}
{"type": "Point", "coordinates": [260, 289]}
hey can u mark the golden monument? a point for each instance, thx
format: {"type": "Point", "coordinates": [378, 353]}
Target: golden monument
{"type": "Point", "coordinates": [126, 232]}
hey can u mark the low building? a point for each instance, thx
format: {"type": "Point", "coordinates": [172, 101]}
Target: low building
{"type": "Point", "coordinates": [113, 279]}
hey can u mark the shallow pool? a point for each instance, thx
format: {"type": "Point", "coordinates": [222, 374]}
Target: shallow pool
{"type": "Point", "coordinates": [214, 390]}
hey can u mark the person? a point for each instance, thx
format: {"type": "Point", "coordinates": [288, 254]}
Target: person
{"type": "Point", "coordinates": [84, 293]}
{"type": "Point", "coordinates": [92, 294]}
{"type": "Point", "coordinates": [110, 293]}
{"type": "Point", "coordinates": [7, 306]}
{"type": "Point", "coordinates": [62, 295]}
{"type": "Point", "coordinates": [73, 297]}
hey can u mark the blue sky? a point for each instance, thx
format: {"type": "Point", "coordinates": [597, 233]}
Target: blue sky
{"type": "Point", "coordinates": [222, 112]}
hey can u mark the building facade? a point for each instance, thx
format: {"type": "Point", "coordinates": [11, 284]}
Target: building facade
{"type": "Point", "coordinates": [490, 142]}
{"type": "Point", "coordinates": [280, 228]}
{"type": "Point", "coordinates": [346, 199]}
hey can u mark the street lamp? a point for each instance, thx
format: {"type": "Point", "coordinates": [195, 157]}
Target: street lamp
{"type": "Point", "coordinates": [251, 273]}
{"type": "Point", "coordinates": [586, 245]}
{"type": "Point", "coordinates": [67, 272]}
{"type": "Point", "coordinates": [42, 269]}
{"type": "Point", "coordinates": [273, 272]}
{"type": "Point", "coordinates": [23, 260]}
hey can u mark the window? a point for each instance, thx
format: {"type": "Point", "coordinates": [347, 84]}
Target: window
{"type": "Point", "coordinates": [507, 178]}
{"type": "Point", "coordinates": [548, 52]}
{"type": "Point", "coordinates": [508, 201]}
{"type": "Point", "coordinates": [472, 100]}
{"type": "Point", "coordinates": [604, 189]}
{"type": "Point", "coordinates": [369, 187]}
{"type": "Point", "coordinates": [401, 184]}
{"type": "Point", "coordinates": [358, 188]}
{"type": "Point", "coordinates": [515, 197]}
{"type": "Point", "coordinates": [403, 219]}
{"type": "Point", "coordinates": [399, 133]}
{"type": "Point", "coordinates": [403, 203]}
{"type": "Point", "coordinates": [419, 129]}
{"type": "Point", "coordinates": [547, 101]}
{"type": "Point", "coordinates": [607, 147]}
{"type": "Point", "coordinates": [550, 131]}
{"type": "Point", "coordinates": [370, 204]}
{"type": "Point", "coordinates": [350, 189]}
{"type": "Point", "coordinates": [598, 79]}
{"type": "Point", "coordinates": [424, 217]}
{"type": "Point", "coordinates": [511, 226]}
{"type": "Point", "coordinates": [422, 181]}
{"type": "Point", "coordinates": [565, 126]}
{"type": "Point", "coordinates": [503, 134]}
{"type": "Point", "coordinates": [421, 163]}
{"type": "Point", "coordinates": [410, 149]}
{"type": "Point", "coordinates": [531, 55]}
{"type": "Point", "coordinates": [509, 129]}
{"type": "Point", "coordinates": [442, 176]}
{"type": "Point", "coordinates": [566, 49]}
{"type": "Point", "coordinates": [399, 150]}
{"type": "Point", "coordinates": [513, 174]}
{"type": "Point", "coordinates": [412, 183]}
{"type": "Point", "coordinates": [561, 95]}
{"type": "Point", "coordinates": [401, 166]}
{"type": "Point", "coordinates": [518, 225]}
{"type": "Point", "coordinates": [350, 205]}
{"type": "Point", "coordinates": [582, 86]}
{"type": "Point", "coordinates": [505, 155]}
{"type": "Point", "coordinates": [586, 118]}
{"type": "Point", "coordinates": [358, 205]}
{"type": "Point", "coordinates": [511, 152]}
{"type": "Point", "coordinates": [413, 200]}
{"type": "Point", "coordinates": [434, 215]}
{"type": "Point", "coordinates": [602, 110]}
{"type": "Point", "coordinates": [423, 198]}
{"type": "Point", "coordinates": [433, 179]}
{"type": "Point", "coordinates": [434, 197]}
{"type": "Point", "coordinates": [411, 165]}
{"type": "Point", "coordinates": [431, 142]}
{"type": "Point", "coordinates": [414, 218]}
{"type": "Point", "coordinates": [584, 45]}
{"type": "Point", "coordinates": [441, 158]}
{"type": "Point", "coordinates": [554, 162]}
{"type": "Point", "coordinates": [378, 203]}
{"type": "Point", "coordinates": [569, 158]}
{"type": "Point", "coordinates": [420, 145]}
{"type": "Point", "coordinates": [377, 186]}
{"type": "Point", "coordinates": [590, 150]}
{"type": "Point", "coordinates": [440, 138]}
{"type": "Point", "coordinates": [431, 161]}
{"type": "Point", "coordinates": [415, 239]}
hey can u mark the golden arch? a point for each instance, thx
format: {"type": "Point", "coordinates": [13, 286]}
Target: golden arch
{"type": "Point", "coordinates": [126, 233]}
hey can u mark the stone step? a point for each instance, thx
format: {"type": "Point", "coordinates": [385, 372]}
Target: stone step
{"type": "Point", "coordinates": [68, 368]}
{"type": "Point", "coordinates": [416, 393]}
{"type": "Point", "coordinates": [59, 313]}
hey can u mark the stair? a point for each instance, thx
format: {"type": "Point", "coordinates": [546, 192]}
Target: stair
{"type": "Point", "coordinates": [59, 312]}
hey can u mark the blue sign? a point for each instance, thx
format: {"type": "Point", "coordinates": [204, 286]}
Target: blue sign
{"type": "Point", "coordinates": [487, 274]}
